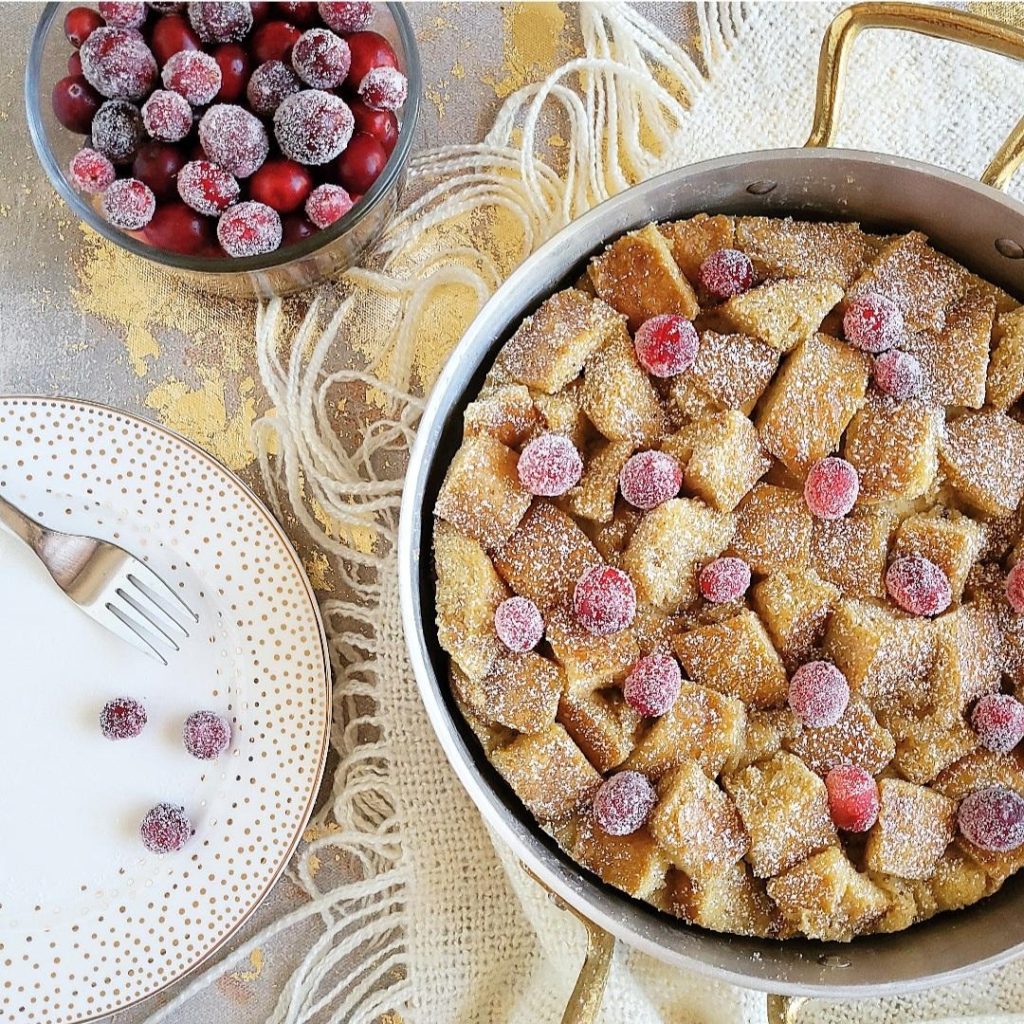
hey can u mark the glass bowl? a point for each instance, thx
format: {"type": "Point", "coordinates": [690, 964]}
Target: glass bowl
{"type": "Point", "coordinates": [288, 269]}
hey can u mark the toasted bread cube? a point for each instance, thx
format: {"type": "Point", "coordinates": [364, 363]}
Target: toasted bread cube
{"type": "Point", "coordinates": [562, 413]}
{"type": "Point", "coordinates": [856, 738]}
{"type": "Point", "coordinates": [902, 910]}
{"type": "Point", "coordinates": [490, 734]}
{"type": "Point", "coordinates": [612, 538]}
{"type": "Point", "coordinates": [921, 281]}
{"type": "Point", "coordinates": [550, 347]}
{"type": "Point", "coordinates": [603, 725]}
{"type": "Point", "coordinates": [727, 900]}
{"type": "Point", "coordinates": [982, 454]}
{"type": "Point", "coordinates": [668, 544]}
{"type": "Point", "coordinates": [468, 592]}
{"type": "Point", "coordinates": [695, 823]}
{"type": "Point", "coordinates": [735, 657]}
{"type": "Point", "coordinates": [852, 552]}
{"type": "Point", "coordinates": [731, 371]}
{"type": "Point", "coordinates": [782, 313]}
{"type": "Point", "coordinates": [702, 725]}
{"type": "Point", "coordinates": [634, 863]}
{"type": "Point", "coordinates": [594, 496]}
{"type": "Point", "coordinates": [931, 745]}
{"type": "Point", "coordinates": [726, 459]}
{"type": "Point", "coordinates": [915, 825]}
{"type": "Point", "coordinates": [954, 358]}
{"type": "Point", "coordinates": [481, 495]}
{"type": "Point", "coordinates": [618, 395]}
{"type": "Point", "coordinates": [957, 882]}
{"type": "Point", "coordinates": [548, 772]}
{"type": "Point", "coordinates": [545, 556]}
{"type": "Point", "coordinates": [654, 629]}
{"type": "Point", "coordinates": [773, 529]}
{"type": "Point", "coordinates": [765, 733]}
{"type": "Point", "coordinates": [694, 240]}
{"type": "Point", "coordinates": [812, 399]}
{"type": "Point", "coordinates": [506, 413]}
{"type": "Point", "coordinates": [589, 661]}
{"type": "Point", "coordinates": [520, 691]}
{"type": "Point", "coordinates": [794, 606]}
{"type": "Point", "coordinates": [783, 247]}
{"type": "Point", "coordinates": [637, 276]}
{"type": "Point", "coordinates": [953, 543]}
{"type": "Point", "coordinates": [1006, 367]}
{"type": "Point", "coordinates": [825, 897]}
{"type": "Point", "coordinates": [968, 662]}
{"type": "Point", "coordinates": [784, 808]}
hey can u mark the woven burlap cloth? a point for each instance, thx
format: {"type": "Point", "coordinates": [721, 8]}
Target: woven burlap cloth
{"type": "Point", "coordinates": [409, 910]}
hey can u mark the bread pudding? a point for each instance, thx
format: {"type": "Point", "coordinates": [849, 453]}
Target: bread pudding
{"type": "Point", "coordinates": [729, 570]}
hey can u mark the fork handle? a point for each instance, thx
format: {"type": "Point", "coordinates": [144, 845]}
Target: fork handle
{"type": "Point", "coordinates": [15, 522]}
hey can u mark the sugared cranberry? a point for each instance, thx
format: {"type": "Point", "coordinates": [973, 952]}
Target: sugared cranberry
{"type": "Point", "coordinates": [519, 624]}
{"type": "Point", "coordinates": [650, 478]}
{"type": "Point", "coordinates": [326, 204]}
{"type": "Point", "coordinates": [177, 228]}
{"type": "Point", "coordinates": [384, 88]}
{"type": "Point", "coordinates": [726, 272]}
{"type": "Point", "coordinates": [233, 61]}
{"type": "Point", "coordinates": [282, 184]}
{"type": "Point", "coordinates": [206, 187]}
{"type": "Point", "coordinates": [123, 13]}
{"type": "Point", "coordinates": [604, 600]}
{"type": "Point", "coordinates": [296, 228]}
{"type": "Point", "coordinates": [321, 58]}
{"type": "Point", "coordinates": [831, 488]}
{"type": "Point", "coordinates": [249, 229]}
{"type": "Point", "coordinates": [118, 64]}
{"type": "Point", "coordinates": [998, 719]}
{"type": "Point", "coordinates": [80, 23]}
{"type": "Point", "coordinates": [818, 694]}
{"type": "Point", "coordinates": [653, 685]}
{"type": "Point", "coordinates": [873, 322]}
{"type": "Point", "coordinates": [220, 21]}
{"type": "Point", "coordinates": [167, 6]}
{"type": "Point", "coordinates": [165, 829]}
{"type": "Point", "coordinates": [75, 103]}
{"type": "Point", "coordinates": [167, 116]}
{"type": "Point", "coordinates": [381, 124]}
{"type": "Point", "coordinates": [261, 10]}
{"type": "Point", "coordinates": [75, 63]}
{"type": "Point", "coordinates": [122, 718]}
{"type": "Point", "coordinates": [273, 41]}
{"type": "Point", "coordinates": [234, 138]}
{"type": "Point", "coordinates": [313, 127]}
{"type": "Point", "coordinates": [206, 735]}
{"type": "Point", "coordinates": [269, 85]}
{"type": "Point", "coordinates": [852, 798]}
{"type": "Point", "coordinates": [90, 171]}
{"type": "Point", "coordinates": [158, 164]}
{"type": "Point", "coordinates": [194, 75]}
{"type": "Point", "coordinates": [1015, 587]}
{"type": "Point", "coordinates": [666, 344]}
{"type": "Point", "coordinates": [128, 204]}
{"type": "Point", "coordinates": [360, 164]}
{"type": "Point", "coordinates": [172, 34]}
{"type": "Point", "coordinates": [993, 819]}
{"type": "Point", "coordinates": [346, 17]}
{"type": "Point", "coordinates": [918, 586]}
{"type": "Point", "coordinates": [624, 803]}
{"type": "Point", "coordinates": [897, 374]}
{"type": "Point", "coordinates": [724, 579]}
{"type": "Point", "coordinates": [369, 50]}
{"type": "Point", "coordinates": [550, 465]}
{"type": "Point", "coordinates": [118, 131]}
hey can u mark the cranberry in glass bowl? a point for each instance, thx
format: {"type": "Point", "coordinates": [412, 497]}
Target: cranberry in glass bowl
{"type": "Point", "coordinates": [179, 240]}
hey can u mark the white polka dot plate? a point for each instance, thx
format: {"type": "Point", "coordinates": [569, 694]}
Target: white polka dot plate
{"type": "Point", "coordinates": [90, 921]}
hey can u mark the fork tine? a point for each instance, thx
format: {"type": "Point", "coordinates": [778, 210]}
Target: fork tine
{"type": "Point", "coordinates": [155, 607]}
{"type": "Point", "coordinates": [148, 619]}
{"type": "Point", "coordinates": [127, 629]}
{"type": "Point", "coordinates": [159, 589]}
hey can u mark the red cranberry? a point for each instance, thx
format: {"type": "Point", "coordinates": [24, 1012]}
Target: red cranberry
{"type": "Point", "coordinates": [117, 64]}
{"type": "Point", "coordinates": [75, 103]}
{"type": "Point", "coordinates": [299, 13]}
{"type": "Point", "coordinates": [998, 719]}
{"type": "Point", "coordinates": [623, 803]}
{"type": "Point", "coordinates": [273, 41]}
{"type": "Point", "coordinates": [90, 171]}
{"type": "Point", "coordinates": [653, 685]}
{"type": "Point", "coordinates": [80, 23]}
{"type": "Point", "coordinates": [158, 164]}
{"type": "Point", "coordinates": [666, 344]}
{"type": "Point", "coordinates": [313, 126]}
{"type": "Point", "coordinates": [234, 138]}
{"type": "Point", "coordinates": [852, 798]}
{"type": "Point", "coordinates": [282, 184]}
{"type": "Point", "coordinates": [346, 17]}
{"type": "Point", "coordinates": [128, 204]}
{"type": "Point", "coordinates": [75, 63]}
{"type": "Point", "coordinates": [897, 374]}
{"type": "Point", "coordinates": [1015, 588]}
{"type": "Point", "coordinates": [519, 624]}
{"type": "Point", "coordinates": [384, 88]}
{"type": "Point", "coordinates": [167, 116]}
{"type": "Point", "coordinates": [176, 228]}
{"type": "Point", "coordinates": [604, 600]}
{"type": "Point", "coordinates": [193, 74]}
{"type": "Point", "coordinates": [296, 228]}
{"type": "Point", "coordinates": [123, 13]}
{"type": "Point", "coordinates": [206, 187]}
{"type": "Point", "coordinates": [381, 124]}
{"type": "Point", "coordinates": [165, 829]}
{"type": "Point", "coordinates": [369, 50]}
{"type": "Point", "coordinates": [122, 718]}
{"type": "Point", "coordinates": [918, 586]}
{"type": "Point", "coordinates": [206, 735]}
{"type": "Point", "coordinates": [360, 164]}
{"type": "Point", "coordinates": [249, 229]}
{"type": "Point", "coordinates": [220, 21]}
{"type": "Point", "coordinates": [726, 272]}
{"type": "Point", "coordinates": [650, 478]}
{"type": "Point", "coordinates": [233, 61]}
{"type": "Point", "coordinates": [118, 131]}
{"type": "Point", "coordinates": [831, 488]}
{"type": "Point", "coordinates": [326, 204]}
{"type": "Point", "coordinates": [321, 58]}
{"type": "Point", "coordinates": [550, 465]}
{"type": "Point", "coordinates": [172, 34]}
{"type": "Point", "coordinates": [873, 322]}
{"type": "Point", "coordinates": [818, 694]}
{"type": "Point", "coordinates": [993, 819]}
{"type": "Point", "coordinates": [269, 85]}
{"type": "Point", "coordinates": [724, 580]}
{"type": "Point", "coordinates": [261, 10]}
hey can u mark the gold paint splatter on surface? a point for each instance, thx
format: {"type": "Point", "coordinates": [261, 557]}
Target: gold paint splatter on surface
{"type": "Point", "coordinates": [315, 864]}
{"type": "Point", "coordinates": [314, 832]}
{"type": "Point", "coordinates": [391, 1018]}
{"type": "Point", "coordinates": [256, 961]}
{"type": "Point", "coordinates": [532, 42]}
{"type": "Point", "coordinates": [320, 571]}
{"type": "Point", "coordinates": [458, 71]}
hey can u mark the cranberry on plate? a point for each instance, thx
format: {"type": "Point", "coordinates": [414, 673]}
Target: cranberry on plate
{"type": "Point", "coordinates": [282, 184]}
{"type": "Point", "coordinates": [360, 163]}
{"type": "Point", "coordinates": [80, 23]}
{"type": "Point", "coordinates": [273, 41]}
{"type": "Point", "coordinates": [75, 103]}
{"type": "Point", "coordinates": [177, 228]}
{"type": "Point", "coordinates": [158, 164]}
{"type": "Point", "coordinates": [234, 64]}
{"type": "Point", "coordinates": [381, 124]}
{"type": "Point", "coordinates": [172, 34]}
{"type": "Point", "coordinates": [369, 50]}
{"type": "Point", "coordinates": [325, 205]}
